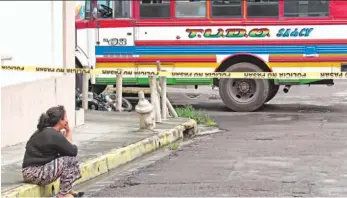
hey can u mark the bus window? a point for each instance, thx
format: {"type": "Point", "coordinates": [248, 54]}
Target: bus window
{"type": "Point", "coordinates": [306, 8]}
{"type": "Point", "coordinates": [262, 8]}
{"type": "Point", "coordinates": [87, 10]}
{"type": "Point", "coordinates": [114, 9]}
{"type": "Point", "coordinates": [154, 9]}
{"type": "Point", "coordinates": [190, 8]}
{"type": "Point", "coordinates": [226, 8]}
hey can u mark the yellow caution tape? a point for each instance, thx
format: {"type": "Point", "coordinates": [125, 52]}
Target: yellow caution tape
{"type": "Point", "coordinates": [249, 75]}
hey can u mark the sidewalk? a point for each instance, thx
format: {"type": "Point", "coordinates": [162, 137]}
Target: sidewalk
{"type": "Point", "coordinates": [107, 140]}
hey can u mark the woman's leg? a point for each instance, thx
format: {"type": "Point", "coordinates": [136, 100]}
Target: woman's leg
{"type": "Point", "coordinates": [42, 175]}
{"type": "Point", "coordinates": [64, 167]}
{"type": "Point", "coordinates": [70, 174]}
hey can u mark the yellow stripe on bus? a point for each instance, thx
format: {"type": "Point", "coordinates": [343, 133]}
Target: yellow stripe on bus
{"type": "Point", "coordinates": [179, 55]}
{"type": "Point", "coordinates": [304, 64]}
{"type": "Point", "coordinates": [214, 65]}
{"type": "Point", "coordinates": [164, 65]}
{"type": "Point", "coordinates": [300, 55]}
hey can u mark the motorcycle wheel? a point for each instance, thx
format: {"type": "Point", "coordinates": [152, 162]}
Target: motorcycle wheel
{"type": "Point", "coordinates": [126, 105]}
{"type": "Point", "coordinates": [93, 107]}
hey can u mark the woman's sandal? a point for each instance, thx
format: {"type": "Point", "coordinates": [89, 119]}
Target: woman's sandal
{"type": "Point", "coordinates": [78, 194]}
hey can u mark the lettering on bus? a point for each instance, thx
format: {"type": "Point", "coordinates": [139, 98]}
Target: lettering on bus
{"type": "Point", "coordinates": [296, 32]}
{"type": "Point", "coordinates": [115, 41]}
{"type": "Point", "coordinates": [228, 33]}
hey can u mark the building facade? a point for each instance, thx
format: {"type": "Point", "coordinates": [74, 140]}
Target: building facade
{"type": "Point", "coordinates": [35, 33]}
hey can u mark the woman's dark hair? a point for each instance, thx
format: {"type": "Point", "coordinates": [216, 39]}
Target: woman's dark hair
{"type": "Point", "coordinates": [51, 118]}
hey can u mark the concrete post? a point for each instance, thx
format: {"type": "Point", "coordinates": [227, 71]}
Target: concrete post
{"type": "Point", "coordinates": [158, 111]}
{"type": "Point", "coordinates": [163, 97]}
{"type": "Point", "coordinates": [167, 112]}
{"type": "Point", "coordinates": [169, 105]}
{"type": "Point", "coordinates": [151, 86]}
{"type": "Point", "coordinates": [154, 97]}
{"type": "Point", "coordinates": [119, 92]}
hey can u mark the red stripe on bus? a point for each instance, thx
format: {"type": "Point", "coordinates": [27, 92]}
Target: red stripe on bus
{"type": "Point", "coordinates": [241, 42]}
{"type": "Point", "coordinates": [152, 60]}
{"type": "Point", "coordinates": [308, 59]}
{"type": "Point", "coordinates": [102, 23]}
{"type": "Point", "coordinates": [81, 24]}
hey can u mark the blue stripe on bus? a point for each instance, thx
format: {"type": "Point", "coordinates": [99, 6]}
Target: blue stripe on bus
{"type": "Point", "coordinates": [208, 49]}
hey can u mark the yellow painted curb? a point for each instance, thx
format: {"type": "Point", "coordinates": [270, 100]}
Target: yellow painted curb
{"type": "Point", "coordinates": [113, 159]}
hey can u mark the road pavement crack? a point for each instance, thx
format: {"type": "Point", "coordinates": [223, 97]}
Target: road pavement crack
{"type": "Point", "coordinates": [124, 183]}
{"type": "Point", "coordinates": [264, 139]}
{"type": "Point", "coordinates": [128, 182]}
{"type": "Point", "coordinates": [260, 190]}
{"type": "Point", "coordinates": [179, 183]}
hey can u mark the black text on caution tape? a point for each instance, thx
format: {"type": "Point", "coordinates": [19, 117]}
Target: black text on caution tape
{"type": "Point", "coordinates": [13, 68]}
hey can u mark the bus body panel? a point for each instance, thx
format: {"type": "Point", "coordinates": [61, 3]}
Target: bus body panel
{"type": "Point", "coordinates": [286, 45]}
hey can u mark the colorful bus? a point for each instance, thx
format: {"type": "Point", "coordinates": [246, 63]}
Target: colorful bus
{"type": "Point", "coordinates": [214, 35]}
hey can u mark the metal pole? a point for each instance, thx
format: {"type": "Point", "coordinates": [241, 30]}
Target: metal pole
{"type": "Point", "coordinates": [119, 92]}
{"type": "Point", "coordinates": [85, 91]}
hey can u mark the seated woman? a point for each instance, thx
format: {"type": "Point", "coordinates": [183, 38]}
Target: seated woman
{"type": "Point", "coordinates": [50, 154]}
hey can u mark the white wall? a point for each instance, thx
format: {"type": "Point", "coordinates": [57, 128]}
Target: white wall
{"type": "Point", "coordinates": [33, 34]}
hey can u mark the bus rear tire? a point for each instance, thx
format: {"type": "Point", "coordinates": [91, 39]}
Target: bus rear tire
{"type": "Point", "coordinates": [244, 95]}
{"type": "Point", "coordinates": [273, 91]}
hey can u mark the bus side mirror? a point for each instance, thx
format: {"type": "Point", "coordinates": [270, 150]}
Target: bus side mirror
{"type": "Point", "coordinates": [95, 13]}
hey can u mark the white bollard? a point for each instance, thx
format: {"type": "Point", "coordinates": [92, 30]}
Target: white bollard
{"type": "Point", "coordinates": [154, 97]}
{"type": "Point", "coordinates": [119, 92]}
{"type": "Point", "coordinates": [169, 105]}
{"type": "Point", "coordinates": [163, 97]}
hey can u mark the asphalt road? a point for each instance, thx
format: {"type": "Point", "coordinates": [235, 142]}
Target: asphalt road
{"type": "Point", "coordinates": [294, 146]}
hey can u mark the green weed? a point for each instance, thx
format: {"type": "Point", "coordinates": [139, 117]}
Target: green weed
{"type": "Point", "coordinates": [173, 146]}
{"type": "Point", "coordinates": [200, 117]}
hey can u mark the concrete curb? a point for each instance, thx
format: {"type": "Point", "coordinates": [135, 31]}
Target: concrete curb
{"type": "Point", "coordinates": [113, 159]}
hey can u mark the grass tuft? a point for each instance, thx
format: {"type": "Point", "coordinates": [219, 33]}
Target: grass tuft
{"type": "Point", "coordinates": [173, 146]}
{"type": "Point", "coordinates": [200, 117]}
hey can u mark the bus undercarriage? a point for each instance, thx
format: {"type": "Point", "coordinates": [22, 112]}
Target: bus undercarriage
{"type": "Point", "coordinates": [241, 95]}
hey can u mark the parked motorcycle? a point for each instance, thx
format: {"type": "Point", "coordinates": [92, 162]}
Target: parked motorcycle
{"type": "Point", "coordinates": [112, 100]}
{"type": "Point", "coordinates": [95, 102]}
{"type": "Point", "coordinates": [103, 105]}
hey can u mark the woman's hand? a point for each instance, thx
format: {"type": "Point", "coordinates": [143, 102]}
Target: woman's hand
{"type": "Point", "coordinates": [67, 127]}
{"type": "Point", "coordinates": [68, 134]}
